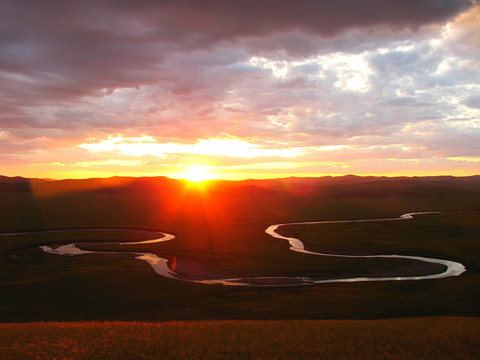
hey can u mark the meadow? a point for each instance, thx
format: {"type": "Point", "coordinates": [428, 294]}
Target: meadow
{"type": "Point", "coordinates": [219, 228]}
{"type": "Point", "coordinates": [421, 338]}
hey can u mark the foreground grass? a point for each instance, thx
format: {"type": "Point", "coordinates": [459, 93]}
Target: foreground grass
{"type": "Point", "coordinates": [420, 338]}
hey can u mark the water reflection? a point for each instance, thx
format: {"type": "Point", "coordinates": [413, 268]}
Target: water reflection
{"type": "Point", "coordinates": [168, 267]}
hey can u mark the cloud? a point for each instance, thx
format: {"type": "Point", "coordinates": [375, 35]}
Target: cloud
{"type": "Point", "coordinates": [146, 145]}
{"type": "Point", "coordinates": [114, 162]}
{"type": "Point", "coordinates": [300, 73]}
{"type": "Point", "coordinates": [473, 101]}
{"type": "Point", "coordinates": [55, 51]}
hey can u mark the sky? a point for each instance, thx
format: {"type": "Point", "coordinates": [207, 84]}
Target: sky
{"type": "Point", "coordinates": [239, 89]}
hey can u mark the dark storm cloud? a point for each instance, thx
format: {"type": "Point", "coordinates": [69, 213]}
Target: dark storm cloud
{"type": "Point", "coordinates": [227, 19]}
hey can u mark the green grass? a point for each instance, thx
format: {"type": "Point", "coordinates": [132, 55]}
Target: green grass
{"type": "Point", "coordinates": [421, 338]}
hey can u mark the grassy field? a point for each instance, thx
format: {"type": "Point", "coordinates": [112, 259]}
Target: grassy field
{"type": "Point", "coordinates": [51, 306]}
{"type": "Point", "coordinates": [422, 338]}
{"type": "Point", "coordinates": [43, 287]}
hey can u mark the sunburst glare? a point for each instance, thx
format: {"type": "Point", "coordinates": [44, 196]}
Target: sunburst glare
{"type": "Point", "coordinates": [197, 173]}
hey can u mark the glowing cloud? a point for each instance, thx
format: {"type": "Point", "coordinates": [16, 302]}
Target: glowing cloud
{"type": "Point", "coordinates": [286, 88]}
{"type": "Point", "coordinates": [145, 145]}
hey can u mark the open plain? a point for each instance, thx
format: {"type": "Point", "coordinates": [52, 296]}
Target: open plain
{"type": "Point", "coordinates": [219, 230]}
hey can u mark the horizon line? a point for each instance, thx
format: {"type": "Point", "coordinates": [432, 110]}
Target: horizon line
{"type": "Point", "coordinates": [244, 179]}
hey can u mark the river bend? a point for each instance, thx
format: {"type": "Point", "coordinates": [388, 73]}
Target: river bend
{"type": "Point", "coordinates": [164, 268]}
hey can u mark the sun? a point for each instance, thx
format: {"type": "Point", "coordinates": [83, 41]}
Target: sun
{"type": "Point", "coordinates": [197, 173]}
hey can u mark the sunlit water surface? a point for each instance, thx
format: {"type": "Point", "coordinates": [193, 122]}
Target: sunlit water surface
{"type": "Point", "coordinates": [164, 267]}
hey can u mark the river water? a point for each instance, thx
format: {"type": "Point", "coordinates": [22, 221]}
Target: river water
{"type": "Point", "coordinates": [164, 266]}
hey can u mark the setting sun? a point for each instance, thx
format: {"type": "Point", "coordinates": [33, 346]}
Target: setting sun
{"type": "Point", "coordinates": [197, 173]}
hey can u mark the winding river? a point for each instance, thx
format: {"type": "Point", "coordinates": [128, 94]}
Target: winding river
{"type": "Point", "coordinates": [164, 267]}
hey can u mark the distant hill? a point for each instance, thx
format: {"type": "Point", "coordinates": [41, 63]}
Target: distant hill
{"type": "Point", "coordinates": [328, 186]}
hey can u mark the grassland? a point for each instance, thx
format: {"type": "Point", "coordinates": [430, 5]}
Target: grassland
{"type": "Point", "coordinates": [96, 299]}
{"type": "Point", "coordinates": [422, 338]}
